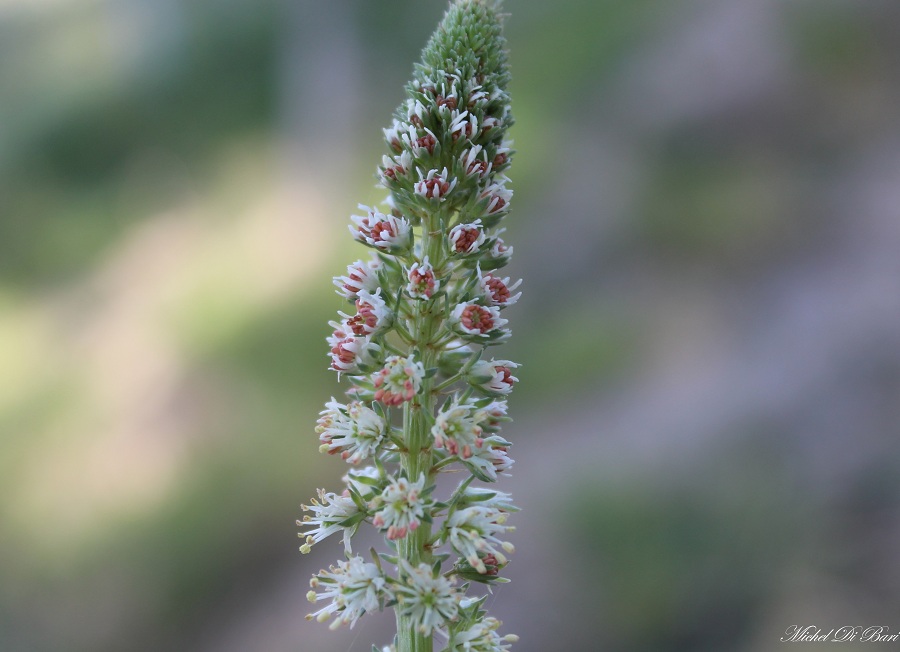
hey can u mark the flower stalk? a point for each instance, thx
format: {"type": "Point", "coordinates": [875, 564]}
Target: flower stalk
{"type": "Point", "coordinates": [422, 400]}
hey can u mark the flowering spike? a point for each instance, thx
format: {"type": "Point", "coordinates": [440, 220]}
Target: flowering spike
{"type": "Point", "coordinates": [424, 308]}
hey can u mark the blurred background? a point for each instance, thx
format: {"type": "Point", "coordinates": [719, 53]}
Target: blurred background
{"type": "Point", "coordinates": [707, 218]}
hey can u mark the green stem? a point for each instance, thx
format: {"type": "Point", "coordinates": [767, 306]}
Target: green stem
{"type": "Point", "coordinates": [417, 416]}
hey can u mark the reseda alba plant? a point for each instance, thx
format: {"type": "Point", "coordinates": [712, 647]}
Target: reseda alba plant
{"type": "Point", "coordinates": [424, 399]}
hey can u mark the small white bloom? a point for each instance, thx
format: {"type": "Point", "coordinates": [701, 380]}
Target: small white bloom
{"type": "Point", "coordinates": [498, 196]}
{"type": "Point", "coordinates": [354, 430]}
{"type": "Point", "coordinates": [491, 458]}
{"type": "Point", "coordinates": [361, 275]}
{"type": "Point", "coordinates": [398, 381]}
{"type": "Point", "coordinates": [351, 354]}
{"type": "Point", "coordinates": [354, 588]}
{"type": "Point", "coordinates": [435, 184]}
{"type": "Point", "coordinates": [500, 252]}
{"type": "Point", "coordinates": [463, 125]}
{"type": "Point", "coordinates": [328, 514]}
{"type": "Point", "coordinates": [479, 321]}
{"type": "Point", "coordinates": [421, 145]}
{"type": "Point", "coordinates": [429, 600]}
{"type": "Point", "coordinates": [385, 232]}
{"type": "Point", "coordinates": [488, 498]}
{"type": "Point", "coordinates": [474, 530]}
{"type": "Point", "coordinates": [446, 98]}
{"type": "Point", "coordinates": [488, 123]}
{"type": "Point", "coordinates": [474, 161]}
{"type": "Point", "coordinates": [456, 428]}
{"type": "Point", "coordinates": [466, 239]}
{"type": "Point", "coordinates": [402, 507]}
{"type": "Point", "coordinates": [422, 282]}
{"type": "Point", "coordinates": [498, 291]}
{"type": "Point", "coordinates": [501, 154]}
{"type": "Point", "coordinates": [393, 167]}
{"type": "Point", "coordinates": [416, 112]}
{"type": "Point", "coordinates": [492, 415]}
{"type": "Point", "coordinates": [477, 96]}
{"type": "Point", "coordinates": [494, 376]}
{"type": "Point", "coordinates": [481, 637]}
{"type": "Point", "coordinates": [372, 314]}
{"type": "Point", "coordinates": [393, 135]}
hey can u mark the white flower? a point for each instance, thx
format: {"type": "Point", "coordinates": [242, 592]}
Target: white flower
{"type": "Point", "coordinates": [361, 275]}
{"type": "Point", "coordinates": [402, 507]}
{"type": "Point", "coordinates": [498, 196]}
{"type": "Point", "coordinates": [354, 429]}
{"type": "Point", "coordinates": [422, 145]}
{"type": "Point", "coordinates": [474, 161]}
{"type": "Point", "coordinates": [501, 154]}
{"type": "Point", "coordinates": [354, 588]}
{"type": "Point", "coordinates": [481, 637]}
{"type": "Point", "coordinates": [446, 99]}
{"type": "Point", "coordinates": [500, 252]}
{"type": "Point", "coordinates": [422, 282]}
{"type": "Point", "coordinates": [456, 428]}
{"type": "Point", "coordinates": [429, 600]}
{"type": "Point", "coordinates": [435, 184]}
{"type": "Point", "coordinates": [491, 458]}
{"type": "Point", "coordinates": [492, 415]}
{"type": "Point", "coordinates": [477, 95]}
{"type": "Point", "coordinates": [350, 354]}
{"type": "Point", "coordinates": [494, 376]}
{"type": "Point", "coordinates": [466, 239]}
{"type": "Point", "coordinates": [488, 123]}
{"type": "Point", "coordinates": [475, 320]}
{"type": "Point", "coordinates": [498, 291]}
{"type": "Point", "coordinates": [398, 381]}
{"type": "Point", "coordinates": [474, 530]}
{"type": "Point", "coordinates": [463, 125]}
{"type": "Point", "coordinates": [416, 111]}
{"type": "Point", "coordinates": [393, 135]}
{"type": "Point", "coordinates": [372, 314]}
{"type": "Point", "coordinates": [444, 90]}
{"type": "Point", "coordinates": [381, 231]}
{"type": "Point", "coordinates": [329, 512]}
{"type": "Point", "coordinates": [489, 498]}
{"type": "Point", "coordinates": [395, 166]}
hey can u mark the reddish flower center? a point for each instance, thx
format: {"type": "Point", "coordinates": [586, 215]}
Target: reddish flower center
{"type": "Point", "coordinates": [365, 319]}
{"type": "Point", "coordinates": [491, 564]}
{"type": "Point", "coordinates": [499, 291]}
{"type": "Point", "coordinates": [424, 283]}
{"type": "Point", "coordinates": [428, 142]}
{"type": "Point", "coordinates": [507, 375]}
{"type": "Point", "coordinates": [498, 204]}
{"type": "Point", "coordinates": [436, 187]}
{"type": "Point", "coordinates": [356, 279]}
{"type": "Point", "coordinates": [378, 230]}
{"type": "Point", "coordinates": [465, 129]}
{"type": "Point", "coordinates": [476, 317]}
{"type": "Point", "coordinates": [477, 166]}
{"type": "Point", "coordinates": [449, 102]}
{"type": "Point", "coordinates": [466, 239]}
{"type": "Point", "coordinates": [342, 353]}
